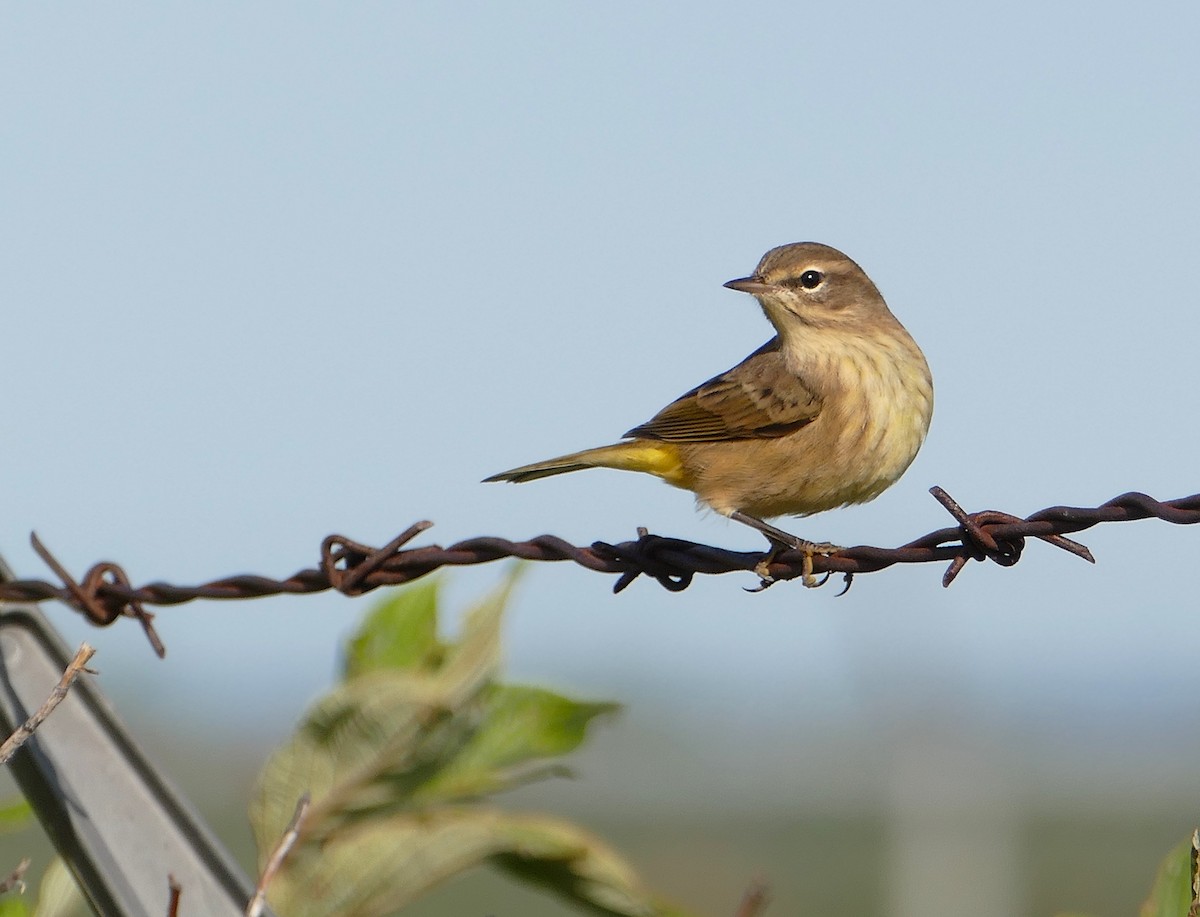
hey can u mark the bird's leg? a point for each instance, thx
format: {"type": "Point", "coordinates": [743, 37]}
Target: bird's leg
{"type": "Point", "coordinates": [782, 541]}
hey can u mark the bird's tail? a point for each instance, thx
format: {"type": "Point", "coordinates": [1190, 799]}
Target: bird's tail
{"type": "Point", "coordinates": [651, 457]}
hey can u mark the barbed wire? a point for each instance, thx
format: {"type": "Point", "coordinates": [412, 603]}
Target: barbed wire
{"type": "Point", "coordinates": [105, 593]}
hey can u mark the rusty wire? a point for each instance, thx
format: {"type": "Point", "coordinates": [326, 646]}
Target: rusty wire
{"type": "Point", "coordinates": [105, 593]}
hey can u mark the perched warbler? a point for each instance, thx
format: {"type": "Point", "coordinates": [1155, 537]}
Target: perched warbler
{"type": "Point", "coordinates": [829, 412]}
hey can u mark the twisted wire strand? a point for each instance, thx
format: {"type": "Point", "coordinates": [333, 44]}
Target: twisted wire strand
{"type": "Point", "coordinates": [105, 592]}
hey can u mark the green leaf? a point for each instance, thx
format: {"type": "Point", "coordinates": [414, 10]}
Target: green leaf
{"type": "Point", "coordinates": [1172, 894]}
{"type": "Point", "coordinates": [474, 660]}
{"type": "Point", "coordinates": [358, 750]}
{"type": "Point", "coordinates": [417, 723]}
{"type": "Point", "coordinates": [399, 633]}
{"type": "Point", "coordinates": [521, 726]}
{"type": "Point", "coordinates": [15, 815]}
{"type": "Point", "coordinates": [379, 867]}
{"type": "Point", "coordinates": [575, 865]}
{"type": "Point", "coordinates": [367, 745]}
{"type": "Point", "coordinates": [13, 907]}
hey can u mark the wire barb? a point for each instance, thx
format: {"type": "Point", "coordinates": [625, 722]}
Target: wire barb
{"type": "Point", "coordinates": [105, 593]}
{"type": "Point", "coordinates": [90, 599]}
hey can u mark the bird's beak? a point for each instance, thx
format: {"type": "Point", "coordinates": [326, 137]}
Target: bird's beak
{"type": "Point", "coordinates": [749, 285]}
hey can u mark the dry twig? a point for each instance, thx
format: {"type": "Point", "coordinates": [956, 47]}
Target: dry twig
{"type": "Point", "coordinates": [25, 730]}
{"type": "Point", "coordinates": [259, 900]}
{"type": "Point", "coordinates": [16, 878]}
{"type": "Point", "coordinates": [755, 900]}
{"type": "Point", "coordinates": [175, 891]}
{"type": "Point", "coordinates": [1194, 908]}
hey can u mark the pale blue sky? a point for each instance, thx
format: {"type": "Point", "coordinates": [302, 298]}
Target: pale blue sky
{"type": "Point", "coordinates": [275, 270]}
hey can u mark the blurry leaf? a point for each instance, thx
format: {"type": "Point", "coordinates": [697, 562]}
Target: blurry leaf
{"type": "Point", "coordinates": [575, 865]}
{"type": "Point", "coordinates": [524, 722]}
{"type": "Point", "coordinates": [58, 895]}
{"type": "Point", "coordinates": [474, 660]}
{"type": "Point", "coordinates": [368, 744]}
{"type": "Point", "coordinates": [381, 866]}
{"type": "Point", "coordinates": [11, 906]}
{"type": "Point", "coordinates": [399, 633]}
{"type": "Point", "coordinates": [415, 724]}
{"type": "Point", "coordinates": [15, 815]}
{"type": "Point", "coordinates": [356, 750]}
{"type": "Point", "coordinates": [1172, 892]}
{"type": "Point", "coordinates": [521, 725]}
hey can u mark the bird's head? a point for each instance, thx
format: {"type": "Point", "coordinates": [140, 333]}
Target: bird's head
{"type": "Point", "coordinates": [807, 284]}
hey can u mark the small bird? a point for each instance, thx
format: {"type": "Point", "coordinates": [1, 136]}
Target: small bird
{"type": "Point", "coordinates": [829, 412]}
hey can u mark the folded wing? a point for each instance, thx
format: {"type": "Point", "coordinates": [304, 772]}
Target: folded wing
{"type": "Point", "coordinates": [760, 398]}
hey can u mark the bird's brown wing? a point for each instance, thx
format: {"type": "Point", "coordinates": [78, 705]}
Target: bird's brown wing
{"type": "Point", "coordinates": [760, 398]}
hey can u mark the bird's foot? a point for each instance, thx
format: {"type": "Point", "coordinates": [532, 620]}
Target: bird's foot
{"type": "Point", "coordinates": [785, 541]}
{"type": "Point", "coordinates": [810, 549]}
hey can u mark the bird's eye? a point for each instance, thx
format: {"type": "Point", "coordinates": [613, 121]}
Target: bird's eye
{"type": "Point", "coordinates": [810, 280]}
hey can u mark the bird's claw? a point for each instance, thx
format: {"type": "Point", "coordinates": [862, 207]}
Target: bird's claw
{"type": "Point", "coordinates": [763, 568]}
{"type": "Point", "coordinates": [763, 571]}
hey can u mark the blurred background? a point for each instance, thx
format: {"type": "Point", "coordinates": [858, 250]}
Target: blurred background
{"type": "Point", "coordinates": [271, 271]}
